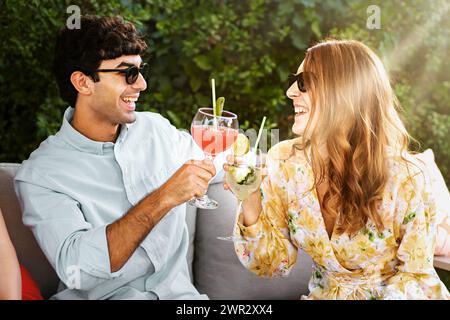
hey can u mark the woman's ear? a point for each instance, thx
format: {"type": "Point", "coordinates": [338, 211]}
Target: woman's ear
{"type": "Point", "coordinates": [82, 83]}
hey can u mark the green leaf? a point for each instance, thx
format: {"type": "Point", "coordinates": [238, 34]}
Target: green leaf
{"type": "Point", "coordinates": [174, 119]}
{"type": "Point", "coordinates": [298, 41]}
{"type": "Point", "coordinates": [203, 63]}
{"type": "Point", "coordinates": [195, 83]}
{"type": "Point", "coordinates": [315, 27]}
{"type": "Point", "coordinates": [299, 21]}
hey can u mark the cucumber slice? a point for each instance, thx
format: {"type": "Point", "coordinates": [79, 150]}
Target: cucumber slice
{"type": "Point", "coordinates": [219, 106]}
{"type": "Point", "coordinates": [243, 175]}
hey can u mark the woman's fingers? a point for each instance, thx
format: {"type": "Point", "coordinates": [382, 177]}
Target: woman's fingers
{"type": "Point", "coordinates": [264, 171]}
{"type": "Point", "coordinates": [231, 160]}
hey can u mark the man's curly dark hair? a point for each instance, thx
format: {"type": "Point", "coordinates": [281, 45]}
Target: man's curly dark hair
{"type": "Point", "coordinates": [99, 38]}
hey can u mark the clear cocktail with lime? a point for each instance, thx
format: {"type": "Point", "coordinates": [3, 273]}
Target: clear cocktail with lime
{"type": "Point", "coordinates": [244, 174]}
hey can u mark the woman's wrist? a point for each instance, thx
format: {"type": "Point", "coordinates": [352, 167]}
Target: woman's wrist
{"type": "Point", "coordinates": [251, 208]}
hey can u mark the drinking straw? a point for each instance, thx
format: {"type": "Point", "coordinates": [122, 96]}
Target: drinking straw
{"type": "Point", "coordinates": [259, 134]}
{"type": "Point", "coordinates": [213, 87]}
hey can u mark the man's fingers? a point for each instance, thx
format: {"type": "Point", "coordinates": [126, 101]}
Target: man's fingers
{"type": "Point", "coordinates": [201, 187]}
{"type": "Point", "coordinates": [209, 166]}
{"type": "Point", "coordinates": [195, 162]}
{"type": "Point", "coordinates": [203, 174]}
{"type": "Point", "coordinates": [206, 164]}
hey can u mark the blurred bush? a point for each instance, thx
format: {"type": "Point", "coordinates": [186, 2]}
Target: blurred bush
{"type": "Point", "coordinates": [249, 47]}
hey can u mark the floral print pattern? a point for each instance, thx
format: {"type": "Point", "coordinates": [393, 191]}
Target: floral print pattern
{"type": "Point", "coordinates": [396, 263]}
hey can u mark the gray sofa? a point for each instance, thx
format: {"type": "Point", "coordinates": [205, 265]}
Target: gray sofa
{"type": "Point", "coordinates": [215, 269]}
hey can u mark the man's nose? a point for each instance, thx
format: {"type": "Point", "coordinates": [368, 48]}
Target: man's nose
{"type": "Point", "coordinates": [140, 83]}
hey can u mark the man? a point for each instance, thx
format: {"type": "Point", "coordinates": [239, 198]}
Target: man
{"type": "Point", "coordinates": [105, 195]}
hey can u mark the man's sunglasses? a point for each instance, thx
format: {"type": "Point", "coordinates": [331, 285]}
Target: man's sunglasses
{"type": "Point", "coordinates": [131, 73]}
{"type": "Point", "coordinates": [299, 78]}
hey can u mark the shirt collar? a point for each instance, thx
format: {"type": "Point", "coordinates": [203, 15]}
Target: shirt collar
{"type": "Point", "coordinates": [83, 143]}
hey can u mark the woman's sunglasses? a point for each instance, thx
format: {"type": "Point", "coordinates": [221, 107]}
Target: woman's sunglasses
{"type": "Point", "coordinates": [131, 73]}
{"type": "Point", "coordinates": [299, 79]}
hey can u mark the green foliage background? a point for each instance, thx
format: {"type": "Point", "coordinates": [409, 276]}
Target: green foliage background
{"type": "Point", "coordinates": [248, 46]}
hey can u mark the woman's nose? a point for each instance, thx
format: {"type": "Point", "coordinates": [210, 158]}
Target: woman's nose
{"type": "Point", "coordinates": [293, 91]}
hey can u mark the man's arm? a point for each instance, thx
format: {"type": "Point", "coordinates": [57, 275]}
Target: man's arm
{"type": "Point", "coordinates": [127, 233]}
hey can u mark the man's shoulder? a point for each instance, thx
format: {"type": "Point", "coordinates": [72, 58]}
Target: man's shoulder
{"type": "Point", "coordinates": [152, 122]}
{"type": "Point", "coordinates": [44, 160]}
{"type": "Point", "coordinates": [151, 117]}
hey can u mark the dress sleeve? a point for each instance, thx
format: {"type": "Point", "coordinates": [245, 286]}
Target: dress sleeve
{"type": "Point", "coordinates": [415, 227]}
{"type": "Point", "coordinates": [265, 247]}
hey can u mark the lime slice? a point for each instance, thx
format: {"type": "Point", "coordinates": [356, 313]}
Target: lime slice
{"type": "Point", "coordinates": [241, 146]}
{"type": "Point", "coordinates": [219, 106]}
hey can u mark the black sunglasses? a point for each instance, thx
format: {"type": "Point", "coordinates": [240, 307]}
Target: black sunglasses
{"type": "Point", "coordinates": [131, 73]}
{"type": "Point", "coordinates": [299, 79]}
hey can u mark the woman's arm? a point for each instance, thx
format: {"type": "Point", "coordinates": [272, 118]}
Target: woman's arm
{"type": "Point", "coordinates": [264, 245]}
{"type": "Point", "coordinates": [10, 281]}
{"type": "Point", "coordinates": [416, 227]}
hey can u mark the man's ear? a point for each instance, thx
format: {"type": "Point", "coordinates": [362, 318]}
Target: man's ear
{"type": "Point", "coordinates": [82, 83]}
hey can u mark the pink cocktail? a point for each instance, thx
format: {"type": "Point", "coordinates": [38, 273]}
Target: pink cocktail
{"type": "Point", "coordinates": [213, 140]}
{"type": "Point", "coordinates": [213, 134]}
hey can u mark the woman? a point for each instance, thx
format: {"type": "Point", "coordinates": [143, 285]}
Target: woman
{"type": "Point", "coordinates": [346, 190]}
{"type": "Point", "coordinates": [10, 281]}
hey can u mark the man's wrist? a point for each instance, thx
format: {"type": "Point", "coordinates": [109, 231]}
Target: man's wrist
{"type": "Point", "coordinates": [163, 199]}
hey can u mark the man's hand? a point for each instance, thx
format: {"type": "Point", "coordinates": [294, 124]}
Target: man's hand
{"type": "Point", "coordinates": [190, 181]}
{"type": "Point", "coordinates": [126, 234]}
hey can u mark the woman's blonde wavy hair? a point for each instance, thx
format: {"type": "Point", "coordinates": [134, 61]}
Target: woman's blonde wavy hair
{"type": "Point", "coordinates": [357, 123]}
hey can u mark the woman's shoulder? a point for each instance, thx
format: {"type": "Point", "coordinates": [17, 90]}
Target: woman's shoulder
{"type": "Point", "coordinates": [286, 150]}
{"type": "Point", "coordinates": [287, 162]}
{"type": "Point", "coordinates": [408, 171]}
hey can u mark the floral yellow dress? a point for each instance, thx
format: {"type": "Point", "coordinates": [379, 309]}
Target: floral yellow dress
{"type": "Point", "coordinates": [396, 263]}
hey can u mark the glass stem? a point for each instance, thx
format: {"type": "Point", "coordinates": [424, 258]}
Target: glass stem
{"type": "Point", "coordinates": [210, 157]}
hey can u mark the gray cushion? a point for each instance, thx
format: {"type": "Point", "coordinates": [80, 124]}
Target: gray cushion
{"type": "Point", "coordinates": [217, 270]}
{"type": "Point", "coordinates": [28, 251]}
{"type": "Point", "coordinates": [191, 213]}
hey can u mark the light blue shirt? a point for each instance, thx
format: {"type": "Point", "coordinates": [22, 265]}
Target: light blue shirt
{"type": "Point", "coordinates": [72, 187]}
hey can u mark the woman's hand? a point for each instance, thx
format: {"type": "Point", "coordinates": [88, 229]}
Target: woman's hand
{"type": "Point", "coordinates": [252, 204]}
